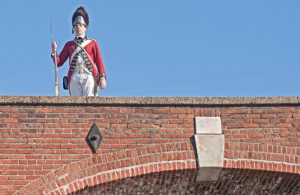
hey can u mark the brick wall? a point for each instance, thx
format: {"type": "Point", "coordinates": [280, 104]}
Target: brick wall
{"type": "Point", "coordinates": [39, 135]}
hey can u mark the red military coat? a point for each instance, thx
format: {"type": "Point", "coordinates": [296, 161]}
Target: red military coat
{"type": "Point", "coordinates": [93, 51]}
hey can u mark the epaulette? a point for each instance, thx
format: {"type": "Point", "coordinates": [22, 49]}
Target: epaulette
{"type": "Point", "coordinates": [92, 39]}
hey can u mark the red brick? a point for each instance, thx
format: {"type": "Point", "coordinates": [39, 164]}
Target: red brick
{"type": "Point", "coordinates": [186, 116]}
{"type": "Point", "coordinates": [234, 125]}
{"type": "Point", "coordinates": [250, 125]}
{"type": "Point", "coordinates": [283, 125]}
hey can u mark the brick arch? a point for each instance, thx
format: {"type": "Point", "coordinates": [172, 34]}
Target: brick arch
{"type": "Point", "coordinates": [102, 168]}
{"type": "Point", "coordinates": [267, 157]}
{"type": "Point", "coordinates": [106, 167]}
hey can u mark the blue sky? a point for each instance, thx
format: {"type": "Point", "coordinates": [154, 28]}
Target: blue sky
{"type": "Point", "coordinates": [159, 47]}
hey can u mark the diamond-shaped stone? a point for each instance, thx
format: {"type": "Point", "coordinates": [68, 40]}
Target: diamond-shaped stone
{"type": "Point", "coordinates": [94, 138]}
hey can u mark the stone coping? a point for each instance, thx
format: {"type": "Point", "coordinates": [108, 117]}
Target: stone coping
{"type": "Point", "coordinates": [152, 101]}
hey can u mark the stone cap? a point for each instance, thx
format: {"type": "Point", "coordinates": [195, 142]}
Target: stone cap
{"type": "Point", "coordinates": [179, 101]}
{"type": "Point", "coordinates": [208, 125]}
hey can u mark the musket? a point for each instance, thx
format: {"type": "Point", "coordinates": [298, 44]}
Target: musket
{"type": "Point", "coordinates": [55, 60]}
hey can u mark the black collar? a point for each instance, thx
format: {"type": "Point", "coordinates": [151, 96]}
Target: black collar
{"type": "Point", "coordinates": [80, 39]}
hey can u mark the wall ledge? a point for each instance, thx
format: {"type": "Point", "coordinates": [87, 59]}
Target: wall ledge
{"type": "Point", "coordinates": [154, 101]}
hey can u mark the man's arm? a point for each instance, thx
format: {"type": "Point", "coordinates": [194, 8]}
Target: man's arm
{"type": "Point", "coordinates": [62, 57]}
{"type": "Point", "coordinates": [100, 66]}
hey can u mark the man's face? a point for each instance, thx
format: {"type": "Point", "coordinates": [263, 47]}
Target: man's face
{"type": "Point", "coordinates": [79, 29]}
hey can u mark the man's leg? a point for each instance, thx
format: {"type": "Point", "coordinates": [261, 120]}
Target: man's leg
{"type": "Point", "coordinates": [75, 85]}
{"type": "Point", "coordinates": [88, 85]}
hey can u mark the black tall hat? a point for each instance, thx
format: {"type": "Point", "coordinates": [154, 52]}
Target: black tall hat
{"type": "Point", "coordinates": [80, 16]}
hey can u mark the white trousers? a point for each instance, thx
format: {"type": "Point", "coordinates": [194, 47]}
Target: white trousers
{"type": "Point", "coordinates": [82, 84]}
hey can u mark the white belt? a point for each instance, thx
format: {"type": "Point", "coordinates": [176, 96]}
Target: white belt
{"type": "Point", "coordinates": [81, 69]}
{"type": "Point", "coordinates": [79, 66]}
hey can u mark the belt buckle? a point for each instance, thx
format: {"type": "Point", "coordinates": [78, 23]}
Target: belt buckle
{"type": "Point", "coordinates": [79, 68]}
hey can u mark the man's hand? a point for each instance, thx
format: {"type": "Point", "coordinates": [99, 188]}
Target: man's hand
{"type": "Point", "coordinates": [54, 46]}
{"type": "Point", "coordinates": [102, 83]}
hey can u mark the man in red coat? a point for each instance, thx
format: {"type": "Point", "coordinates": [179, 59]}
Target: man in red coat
{"type": "Point", "coordinates": [86, 71]}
